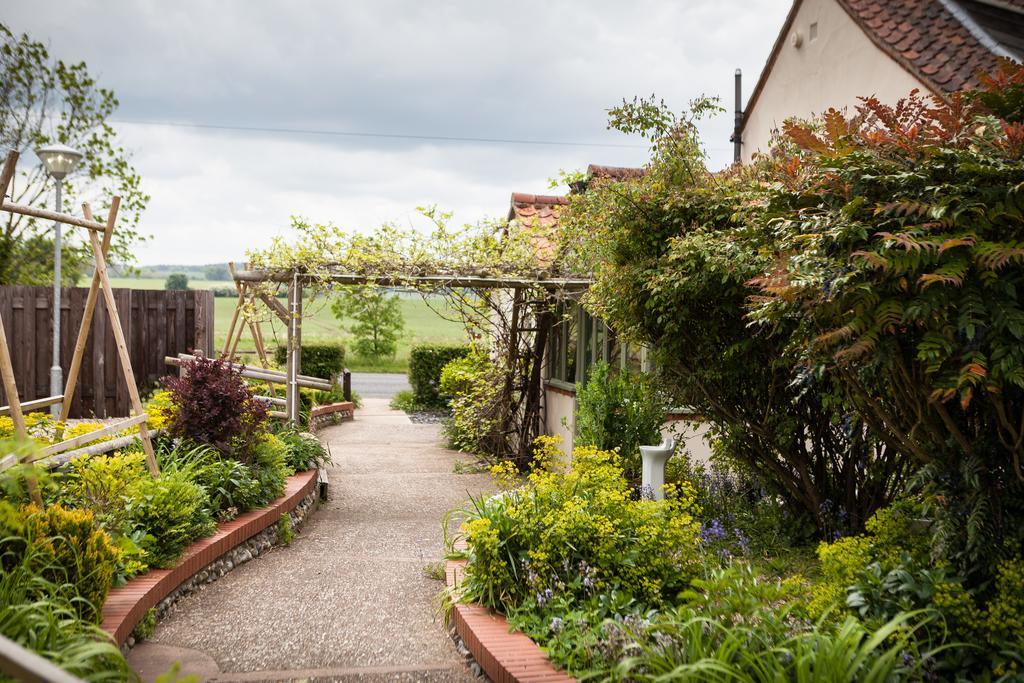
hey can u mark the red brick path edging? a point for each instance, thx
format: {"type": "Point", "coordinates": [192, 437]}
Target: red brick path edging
{"type": "Point", "coordinates": [127, 605]}
{"type": "Point", "coordinates": [505, 657]}
{"type": "Point", "coordinates": [332, 413]}
{"type": "Point", "coordinates": [341, 407]}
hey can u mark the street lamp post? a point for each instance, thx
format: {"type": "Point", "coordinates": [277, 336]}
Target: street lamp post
{"type": "Point", "coordinates": [59, 160]}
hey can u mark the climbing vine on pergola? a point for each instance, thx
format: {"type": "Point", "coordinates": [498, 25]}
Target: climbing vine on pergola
{"type": "Point", "coordinates": [502, 279]}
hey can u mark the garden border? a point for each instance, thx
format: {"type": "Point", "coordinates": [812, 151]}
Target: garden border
{"type": "Point", "coordinates": [127, 605]}
{"type": "Point", "coordinates": [505, 656]}
{"type": "Point", "coordinates": [331, 414]}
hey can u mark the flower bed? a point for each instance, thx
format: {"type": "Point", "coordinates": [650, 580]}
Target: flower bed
{"type": "Point", "coordinates": [204, 561]}
{"type": "Point", "coordinates": [113, 541]}
{"type": "Point", "coordinates": [502, 654]}
{"type": "Point", "coordinates": [614, 586]}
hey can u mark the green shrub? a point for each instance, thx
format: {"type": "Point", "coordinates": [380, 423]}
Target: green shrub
{"type": "Point", "coordinates": [892, 534]}
{"type": "Point", "coordinates": [98, 483]}
{"type": "Point", "coordinates": [404, 400]}
{"type": "Point", "coordinates": [230, 485]}
{"type": "Point", "coordinates": [147, 627]}
{"type": "Point", "coordinates": [270, 462]}
{"type": "Point", "coordinates": [426, 361]}
{"type": "Point", "coordinates": [575, 533]}
{"type": "Point", "coordinates": [285, 532]}
{"type": "Point", "coordinates": [67, 547]}
{"type": "Point", "coordinates": [619, 411]}
{"type": "Point", "coordinates": [171, 511]}
{"type": "Point", "coordinates": [471, 385]}
{"type": "Point", "coordinates": [318, 360]}
{"type": "Point", "coordinates": [305, 451]}
{"type": "Point", "coordinates": [888, 572]}
{"type": "Point", "coordinates": [39, 611]}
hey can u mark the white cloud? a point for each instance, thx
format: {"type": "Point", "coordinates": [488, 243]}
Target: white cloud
{"type": "Point", "coordinates": [535, 70]}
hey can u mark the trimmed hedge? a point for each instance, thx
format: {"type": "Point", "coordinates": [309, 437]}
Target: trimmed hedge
{"type": "Point", "coordinates": [318, 360]}
{"type": "Point", "coordinates": [425, 364]}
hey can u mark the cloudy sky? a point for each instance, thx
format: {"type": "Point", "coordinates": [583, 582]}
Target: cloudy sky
{"type": "Point", "coordinates": [536, 71]}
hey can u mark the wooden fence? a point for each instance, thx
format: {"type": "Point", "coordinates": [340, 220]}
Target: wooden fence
{"type": "Point", "coordinates": [156, 324]}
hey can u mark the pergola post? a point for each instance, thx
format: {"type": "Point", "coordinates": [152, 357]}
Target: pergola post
{"type": "Point", "coordinates": [292, 400]}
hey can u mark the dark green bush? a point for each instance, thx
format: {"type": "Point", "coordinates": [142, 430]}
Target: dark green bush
{"type": "Point", "coordinates": [231, 485]}
{"type": "Point", "coordinates": [270, 462]}
{"type": "Point", "coordinates": [318, 360]}
{"type": "Point", "coordinates": [426, 361]}
{"type": "Point", "coordinates": [304, 450]}
{"type": "Point", "coordinates": [172, 511]}
{"type": "Point", "coordinates": [619, 411]}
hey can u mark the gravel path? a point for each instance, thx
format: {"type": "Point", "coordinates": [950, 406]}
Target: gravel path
{"type": "Point", "coordinates": [349, 599]}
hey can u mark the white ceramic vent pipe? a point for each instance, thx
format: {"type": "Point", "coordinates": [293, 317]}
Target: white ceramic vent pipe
{"type": "Point", "coordinates": [653, 472]}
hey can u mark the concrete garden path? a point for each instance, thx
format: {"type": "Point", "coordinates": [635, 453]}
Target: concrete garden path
{"type": "Point", "coordinates": [349, 599]}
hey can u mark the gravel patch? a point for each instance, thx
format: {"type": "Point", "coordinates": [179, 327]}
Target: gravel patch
{"type": "Point", "coordinates": [428, 417]}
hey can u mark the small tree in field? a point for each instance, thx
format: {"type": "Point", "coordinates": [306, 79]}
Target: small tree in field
{"type": "Point", "coordinates": [377, 320]}
{"type": "Point", "coordinates": [176, 281]}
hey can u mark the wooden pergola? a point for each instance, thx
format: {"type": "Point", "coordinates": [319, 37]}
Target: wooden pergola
{"type": "Point", "coordinates": [248, 281]}
{"type": "Point", "coordinates": [99, 236]}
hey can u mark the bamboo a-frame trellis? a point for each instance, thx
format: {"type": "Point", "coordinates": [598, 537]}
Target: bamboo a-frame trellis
{"type": "Point", "coordinates": [248, 295]}
{"type": "Point", "coordinates": [100, 286]}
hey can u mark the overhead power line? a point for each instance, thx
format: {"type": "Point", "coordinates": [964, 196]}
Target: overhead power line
{"type": "Point", "coordinates": [394, 136]}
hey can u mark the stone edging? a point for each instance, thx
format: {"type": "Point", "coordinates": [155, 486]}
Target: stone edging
{"type": "Point", "coordinates": [330, 414]}
{"type": "Point", "coordinates": [208, 558]}
{"type": "Point", "coordinates": [506, 657]}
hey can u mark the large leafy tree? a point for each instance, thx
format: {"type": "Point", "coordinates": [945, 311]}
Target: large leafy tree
{"type": "Point", "coordinates": [901, 268]}
{"type": "Point", "coordinates": [673, 253]}
{"type": "Point", "coordinates": [44, 100]}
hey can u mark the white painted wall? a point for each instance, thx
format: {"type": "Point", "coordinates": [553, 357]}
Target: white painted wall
{"type": "Point", "coordinates": [560, 416]}
{"type": "Point", "coordinates": [693, 436]}
{"type": "Point", "coordinates": [560, 421]}
{"type": "Point", "coordinates": [832, 70]}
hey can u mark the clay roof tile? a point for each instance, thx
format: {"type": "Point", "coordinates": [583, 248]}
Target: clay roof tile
{"type": "Point", "coordinates": [919, 34]}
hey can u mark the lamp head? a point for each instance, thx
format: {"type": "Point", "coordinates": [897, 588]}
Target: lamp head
{"type": "Point", "coordinates": [59, 159]}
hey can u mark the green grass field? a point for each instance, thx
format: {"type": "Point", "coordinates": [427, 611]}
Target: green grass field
{"type": "Point", "coordinates": [158, 283]}
{"type": "Point", "coordinates": [422, 324]}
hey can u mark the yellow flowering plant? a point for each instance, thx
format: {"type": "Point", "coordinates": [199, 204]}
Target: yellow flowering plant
{"type": "Point", "coordinates": [572, 531]}
{"type": "Point", "coordinates": [160, 409]}
{"type": "Point", "coordinates": [889, 571]}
